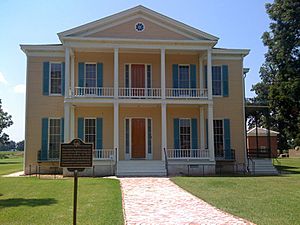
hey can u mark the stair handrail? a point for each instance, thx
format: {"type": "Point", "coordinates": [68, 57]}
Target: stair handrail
{"type": "Point", "coordinates": [166, 162]}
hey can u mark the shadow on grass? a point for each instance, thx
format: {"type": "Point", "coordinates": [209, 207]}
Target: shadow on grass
{"type": "Point", "coordinates": [288, 169]}
{"type": "Point", "coordinates": [15, 202]}
{"type": "Point", "coordinates": [10, 163]}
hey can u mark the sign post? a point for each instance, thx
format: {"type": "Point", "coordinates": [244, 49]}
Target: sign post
{"type": "Point", "coordinates": [76, 156]}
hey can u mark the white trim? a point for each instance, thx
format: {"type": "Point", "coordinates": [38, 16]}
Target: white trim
{"type": "Point", "coordinates": [164, 138]}
{"type": "Point", "coordinates": [163, 73]}
{"type": "Point", "coordinates": [116, 128]}
{"type": "Point", "coordinates": [202, 128]}
{"type": "Point", "coordinates": [116, 73]}
{"type": "Point", "coordinates": [209, 74]}
{"type": "Point", "coordinates": [242, 52]}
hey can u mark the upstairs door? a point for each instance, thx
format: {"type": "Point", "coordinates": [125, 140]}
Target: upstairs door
{"type": "Point", "coordinates": [138, 79]}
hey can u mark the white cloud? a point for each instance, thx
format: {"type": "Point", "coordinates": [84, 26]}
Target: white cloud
{"type": "Point", "coordinates": [2, 79]}
{"type": "Point", "coordinates": [20, 88]}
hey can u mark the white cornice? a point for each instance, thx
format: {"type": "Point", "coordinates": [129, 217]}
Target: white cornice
{"type": "Point", "coordinates": [242, 52]}
{"type": "Point", "coordinates": [43, 50]}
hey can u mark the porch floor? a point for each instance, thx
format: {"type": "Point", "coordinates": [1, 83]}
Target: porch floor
{"type": "Point", "coordinates": [159, 201]}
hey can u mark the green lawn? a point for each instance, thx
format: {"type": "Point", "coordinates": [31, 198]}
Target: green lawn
{"type": "Point", "coordinates": [262, 200]}
{"type": "Point", "coordinates": [10, 162]}
{"type": "Point", "coordinates": [29, 200]}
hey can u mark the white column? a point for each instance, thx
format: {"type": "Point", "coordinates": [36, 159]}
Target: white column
{"type": "Point", "coordinates": [201, 76]}
{"type": "Point", "coordinates": [163, 129]}
{"type": "Point", "coordinates": [67, 72]}
{"type": "Point", "coordinates": [163, 72]}
{"type": "Point", "coordinates": [66, 122]}
{"type": "Point", "coordinates": [116, 73]}
{"type": "Point", "coordinates": [116, 128]}
{"type": "Point", "coordinates": [210, 133]}
{"type": "Point", "coordinates": [202, 128]}
{"type": "Point", "coordinates": [72, 122]}
{"type": "Point", "coordinates": [209, 75]}
{"type": "Point", "coordinates": [72, 74]}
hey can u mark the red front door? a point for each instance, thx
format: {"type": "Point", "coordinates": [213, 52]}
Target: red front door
{"type": "Point", "coordinates": [138, 139]}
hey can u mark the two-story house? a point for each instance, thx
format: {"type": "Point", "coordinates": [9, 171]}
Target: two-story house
{"type": "Point", "coordinates": [145, 89]}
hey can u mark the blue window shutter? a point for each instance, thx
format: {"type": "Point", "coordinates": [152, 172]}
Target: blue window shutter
{"type": "Point", "coordinates": [127, 76]}
{"type": "Point", "coordinates": [176, 134]}
{"type": "Point", "coordinates": [227, 139]}
{"type": "Point", "coordinates": [205, 76]}
{"type": "Point", "coordinates": [81, 74]}
{"type": "Point", "coordinates": [206, 127]}
{"type": "Point", "coordinates": [63, 78]}
{"type": "Point", "coordinates": [127, 136]}
{"type": "Point", "coordinates": [80, 127]}
{"type": "Point", "coordinates": [99, 75]}
{"type": "Point", "coordinates": [193, 79]}
{"type": "Point", "coordinates": [194, 134]}
{"type": "Point", "coordinates": [99, 133]}
{"type": "Point", "coordinates": [149, 130]}
{"type": "Point", "coordinates": [62, 130]}
{"type": "Point", "coordinates": [46, 69]}
{"type": "Point", "coordinates": [175, 75]}
{"type": "Point", "coordinates": [44, 149]}
{"type": "Point", "coordinates": [225, 80]}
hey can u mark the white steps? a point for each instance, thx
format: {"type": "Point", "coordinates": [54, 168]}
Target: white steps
{"type": "Point", "coordinates": [141, 168]}
{"type": "Point", "coordinates": [262, 167]}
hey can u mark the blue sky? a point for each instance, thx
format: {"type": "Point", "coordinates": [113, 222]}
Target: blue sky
{"type": "Point", "coordinates": [238, 24]}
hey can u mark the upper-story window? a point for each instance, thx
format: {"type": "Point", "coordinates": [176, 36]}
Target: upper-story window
{"type": "Point", "coordinates": [90, 75]}
{"type": "Point", "coordinates": [184, 76]}
{"type": "Point", "coordinates": [55, 78]}
{"type": "Point", "coordinates": [217, 80]}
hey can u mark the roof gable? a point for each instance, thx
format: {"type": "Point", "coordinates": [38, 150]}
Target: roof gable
{"type": "Point", "coordinates": [122, 25]}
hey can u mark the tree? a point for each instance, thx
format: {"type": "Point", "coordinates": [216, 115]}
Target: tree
{"type": "Point", "coordinates": [280, 74]}
{"type": "Point", "coordinates": [5, 121]}
{"type": "Point", "coordinates": [20, 146]}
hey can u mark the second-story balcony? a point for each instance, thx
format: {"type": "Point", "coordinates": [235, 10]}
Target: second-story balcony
{"type": "Point", "coordinates": [142, 93]}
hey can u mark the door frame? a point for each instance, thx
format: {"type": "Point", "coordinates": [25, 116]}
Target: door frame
{"type": "Point", "coordinates": [128, 156]}
{"type": "Point", "coordinates": [145, 74]}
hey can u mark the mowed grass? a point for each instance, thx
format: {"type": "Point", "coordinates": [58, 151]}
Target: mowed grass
{"type": "Point", "coordinates": [29, 200]}
{"type": "Point", "coordinates": [263, 200]}
{"type": "Point", "coordinates": [10, 162]}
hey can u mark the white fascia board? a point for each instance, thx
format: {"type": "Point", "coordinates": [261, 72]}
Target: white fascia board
{"type": "Point", "coordinates": [43, 50]}
{"type": "Point", "coordinates": [243, 52]}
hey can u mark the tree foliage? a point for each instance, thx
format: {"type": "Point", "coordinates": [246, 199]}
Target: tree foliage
{"type": "Point", "coordinates": [5, 121]}
{"type": "Point", "coordinates": [280, 73]}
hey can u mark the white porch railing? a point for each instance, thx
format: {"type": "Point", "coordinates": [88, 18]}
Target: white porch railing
{"type": "Point", "coordinates": [93, 92]}
{"type": "Point", "coordinates": [104, 154]}
{"type": "Point", "coordinates": [188, 153]}
{"type": "Point", "coordinates": [186, 93]}
{"type": "Point", "coordinates": [140, 92]}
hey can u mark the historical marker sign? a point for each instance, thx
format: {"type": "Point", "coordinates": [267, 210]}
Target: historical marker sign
{"type": "Point", "coordinates": [76, 154]}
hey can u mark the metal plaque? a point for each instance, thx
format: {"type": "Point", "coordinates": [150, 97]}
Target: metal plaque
{"type": "Point", "coordinates": [76, 154]}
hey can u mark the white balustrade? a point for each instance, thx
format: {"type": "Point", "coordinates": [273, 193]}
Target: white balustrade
{"type": "Point", "coordinates": [139, 92]}
{"type": "Point", "coordinates": [104, 154]}
{"type": "Point", "coordinates": [186, 93]}
{"type": "Point", "coordinates": [188, 153]}
{"type": "Point", "coordinates": [93, 92]}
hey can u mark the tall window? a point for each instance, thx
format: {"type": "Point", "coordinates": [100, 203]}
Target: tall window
{"type": "Point", "coordinates": [90, 75]}
{"type": "Point", "coordinates": [90, 131]}
{"type": "Point", "coordinates": [55, 78]}
{"type": "Point", "coordinates": [185, 133]}
{"type": "Point", "coordinates": [216, 80]}
{"type": "Point", "coordinates": [54, 138]}
{"type": "Point", "coordinates": [218, 138]}
{"type": "Point", "coordinates": [184, 76]}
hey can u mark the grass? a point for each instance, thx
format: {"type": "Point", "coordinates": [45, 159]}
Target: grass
{"type": "Point", "coordinates": [10, 162]}
{"type": "Point", "coordinates": [288, 165]}
{"type": "Point", "coordinates": [29, 200]}
{"type": "Point", "coordinates": [262, 200]}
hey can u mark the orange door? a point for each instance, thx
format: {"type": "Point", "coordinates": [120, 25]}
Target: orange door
{"type": "Point", "coordinates": [138, 138]}
{"type": "Point", "coordinates": [138, 79]}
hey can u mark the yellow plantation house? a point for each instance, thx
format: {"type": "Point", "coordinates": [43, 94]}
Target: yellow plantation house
{"type": "Point", "coordinates": [152, 94]}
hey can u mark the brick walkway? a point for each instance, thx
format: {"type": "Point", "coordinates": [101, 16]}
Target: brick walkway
{"type": "Point", "coordinates": [159, 201]}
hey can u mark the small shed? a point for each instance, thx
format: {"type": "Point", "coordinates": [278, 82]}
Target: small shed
{"type": "Point", "coordinates": [262, 143]}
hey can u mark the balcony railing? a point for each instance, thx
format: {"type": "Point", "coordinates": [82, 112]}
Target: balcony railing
{"type": "Point", "coordinates": [141, 93]}
{"type": "Point", "coordinates": [186, 93]}
{"type": "Point", "coordinates": [104, 154]}
{"type": "Point", "coordinates": [93, 92]}
{"type": "Point", "coordinates": [188, 153]}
